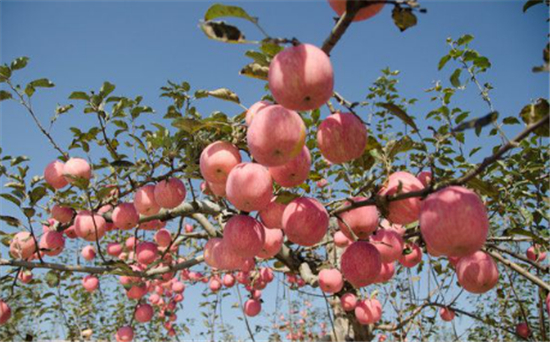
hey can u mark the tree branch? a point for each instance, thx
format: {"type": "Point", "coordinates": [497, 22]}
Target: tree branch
{"type": "Point", "coordinates": [523, 272]}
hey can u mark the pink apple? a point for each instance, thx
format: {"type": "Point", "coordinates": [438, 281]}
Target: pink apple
{"type": "Point", "coordinates": [22, 245]}
{"type": "Point", "coordinates": [305, 221]}
{"type": "Point", "coordinates": [363, 221]}
{"type": "Point", "coordinates": [341, 138]}
{"type": "Point", "coordinates": [361, 263]}
{"type": "Point", "coordinates": [272, 245]}
{"type": "Point", "coordinates": [88, 226]}
{"type": "Point", "coordinates": [70, 232]}
{"type": "Point", "coordinates": [425, 177]}
{"type": "Point", "coordinates": [341, 240]}
{"type": "Point", "coordinates": [170, 193]}
{"type": "Point", "coordinates": [144, 201]}
{"type": "Point", "coordinates": [389, 243]}
{"type": "Point", "coordinates": [90, 283]}
{"type": "Point", "coordinates": [144, 313]}
{"type": "Point", "coordinates": [348, 301]}
{"type": "Point", "coordinates": [52, 243]}
{"type": "Point", "coordinates": [477, 273]}
{"type": "Point", "coordinates": [25, 276]}
{"type": "Point", "coordinates": [146, 252]}
{"type": "Point", "coordinates": [249, 187]}
{"type": "Point", "coordinates": [272, 215]}
{"type": "Point", "coordinates": [88, 253]}
{"type": "Point", "coordinates": [331, 281]}
{"type": "Point", "coordinates": [522, 330]}
{"type": "Point", "coordinates": [368, 311]}
{"type": "Point", "coordinates": [178, 287]}
{"type": "Point", "coordinates": [407, 210]}
{"type": "Point", "coordinates": [446, 314]}
{"type": "Point", "coordinates": [215, 284]}
{"type": "Point", "coordinates": [62, 214]}
{"type": "Point", "coordinates": [255, 109]}
{"type": "Point", "coordinates": [454, 222]}
{"type": "Point", "coordinates": [266, 275]}
{"type": "Point", "coordinates": [211, 248]}
{"type": "Point", "coordinates": [277, 136]}
{"type": "Point", "coordinates": [535, 253]}
{"type": "Point", "coordinates": [294, 172]}
{"type": "Point", "coordinates": [228, 280]}
{"type": "Point", "coordinates": [339, 6]}
{"type": "Point", "coordinates": [114, 249]}
{"type": "Point", "coordinates": [75, 169]}
{"type": "Point", "coordinates": [53, 174]}
{"type": "Point", "coordinates": [244, 235]}
{"type": "Point", "coordinates": [217, 160]}
{"type": "Point", "coordinates": [5, 312]}
{"type": "Point", "coordinates": [225, 257]}
{"type": "Point", "coordinates": [412, 255]}
{"type": "Point", "coordinates": [386, 272]}
{"type": "Point", "coordinates": [301, 77]}
{"type": "Point", "coordinates": [124, 334]}
{"type": "Point", "coordinates": [163, 237]}
{"type": "Point", "coordinates": [252, 307]}
{"type": "Point", "coordinates": [125, 216]}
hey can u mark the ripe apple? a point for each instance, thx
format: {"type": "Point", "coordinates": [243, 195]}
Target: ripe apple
{"type": "Point", "coordinates": [341, 138]}
{"type": "Point", "coordinates": [294, 172]}
{"type": "Point", "coordinates": [277, 136]}
{"type": "Point", "coordinates": [217, 160]}
{"type": "Point", "coordinates": [249, 187]}
{"type": "Point", "coordinates": [305, 221]}
{"type": "Point", "coordinates": [454, 222]}
{"type": "Point", "coordinates": [301, 77]}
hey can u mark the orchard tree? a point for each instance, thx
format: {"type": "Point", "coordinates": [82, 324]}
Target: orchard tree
{"type": "Point", "coordinates": [393, 227]}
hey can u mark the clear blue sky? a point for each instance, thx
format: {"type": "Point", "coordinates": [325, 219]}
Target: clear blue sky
{"type": "Point", "coordinates": [139, 46]}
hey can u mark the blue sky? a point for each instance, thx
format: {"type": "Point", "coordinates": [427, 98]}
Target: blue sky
{"type": "Point", "coordinates": [139, 46]}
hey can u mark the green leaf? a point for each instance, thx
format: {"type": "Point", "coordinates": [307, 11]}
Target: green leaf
{"type": "Point", "coordinates": [531, 3]}
{"type": "Point", "coordinates": [63, 109]}
{"type": "Point", "coordinates": [219, 11]}
{"type": "Point", "coordinates": [482, 62]}
{"type": "Point", "coordinates": [106, 89]}
{"type": "Point", "coordinates": [478, 123]}
{"type": "Point", "coordinates": [37, 194]}
{"type": "Point", "coordinates": [455, 78]}
{"type": "Point", "coordinates": [443, 61]}
{"type": "Point", "coordinates": [403, 145]}
{"type": "Point", "coordinates": [400, 113]}
{"type": "Point", "coordinates": [218, 30]}
{"type": "Point", "coordinates": [19, 63]}
{"type": "Point", "coordinates": [285, 197]}
{"type": "Point", "coordinates": [5, 95]}
{"type": "Point", "coordinates": [79, 95]}
{"type": "Point", "coordinates": [11, 198]}
{"type": "Point", "coordinates": [122, 164]}
{"type": "Point", "coordinates": [483, 187]}
{"type": "Point", "coordinates": [5, 73]}
{"type": "Point", "coordinates": [42, 82]}
{"type": "Point", "coordinates": [534, 112]}
{"type": "Point", "coordinates": [255, 70]}
{"type": "Point", "coordinates": [12, 221]}
{"type": "Point", "coordinates": [258, 57]}
{"type": "Point", "coordinates": [465, 39]}
{"type": "Point", "coordinates": [403, 18]}
{"type": "Point", "coordinates": [225, 94]}
{"type": "Point", "coordinates": [270, 48]}
{"type": "Point", "coordinates": [29, 212]}
{"type": "Point", "coordinates": [52, 278]}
